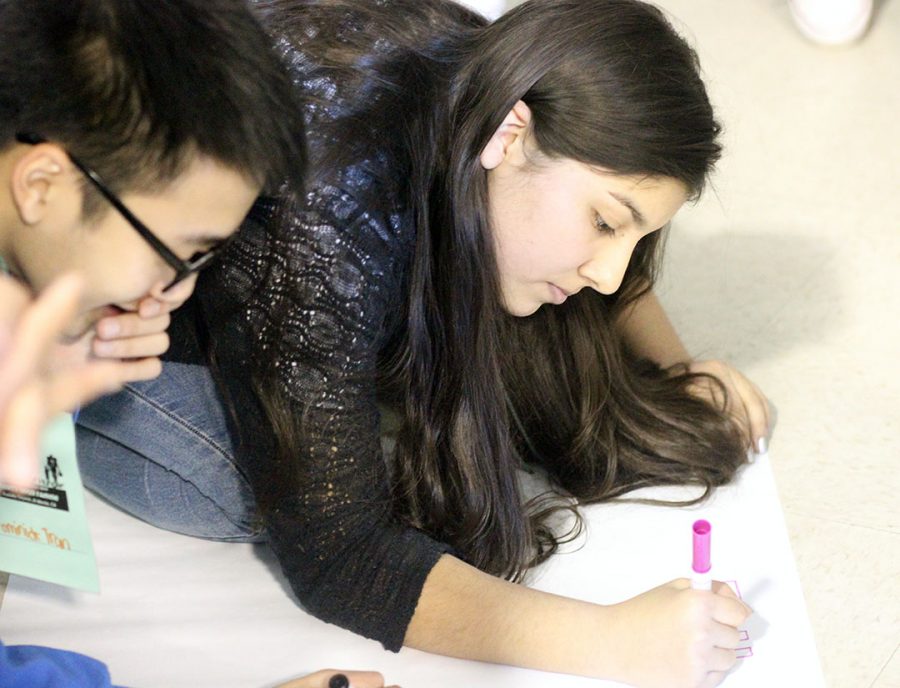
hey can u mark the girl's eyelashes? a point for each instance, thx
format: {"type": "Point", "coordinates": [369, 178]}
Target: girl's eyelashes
{"type": "Point", "coordinates": [601, 225]}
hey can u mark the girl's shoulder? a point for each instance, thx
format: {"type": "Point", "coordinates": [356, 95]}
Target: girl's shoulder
{"type": "Point", "coordinates": [356, 208]}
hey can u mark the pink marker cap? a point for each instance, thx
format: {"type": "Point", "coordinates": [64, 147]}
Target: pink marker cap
{"type": "Point", "coordinates": [702, 532]}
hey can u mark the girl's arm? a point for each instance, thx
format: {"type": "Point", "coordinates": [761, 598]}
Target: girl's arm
{"type": "Point", "coordinates": [648, 333]}
{"type": "Point", "coordinates": [668, 637]}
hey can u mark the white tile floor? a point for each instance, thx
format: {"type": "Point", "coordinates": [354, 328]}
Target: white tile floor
{"type": "Point", "coordinates": [790, 268]}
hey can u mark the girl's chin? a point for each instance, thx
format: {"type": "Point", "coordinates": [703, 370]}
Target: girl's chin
{"type": "Point", "coordinates": [526, 303]}
{"type": "Point", "coordinates": [523, 310]}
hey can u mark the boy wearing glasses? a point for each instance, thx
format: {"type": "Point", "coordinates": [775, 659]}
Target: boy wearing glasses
{"type": "Point", "coordinates": [134, 137]}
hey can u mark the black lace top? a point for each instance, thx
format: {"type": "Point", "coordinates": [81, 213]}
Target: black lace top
{"type": "Point", "coordinates": [335, 272]}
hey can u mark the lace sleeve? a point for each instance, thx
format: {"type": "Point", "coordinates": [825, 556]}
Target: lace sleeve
{"type": "Point", "coordinates": [335, 279]}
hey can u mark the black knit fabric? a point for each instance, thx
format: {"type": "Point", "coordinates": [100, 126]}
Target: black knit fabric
{"type": "Point", "coordinates": [330, 281]}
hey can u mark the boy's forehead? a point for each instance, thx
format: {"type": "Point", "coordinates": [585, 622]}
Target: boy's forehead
{"type": "Point", "coordinates": [204, 203]}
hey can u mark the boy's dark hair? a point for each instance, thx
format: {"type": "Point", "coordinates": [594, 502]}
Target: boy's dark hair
{"type": "Point", "coordinates": [135, 88]}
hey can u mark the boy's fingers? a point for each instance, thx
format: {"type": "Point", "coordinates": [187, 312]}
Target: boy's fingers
{"type": "Point", "coordinates": [20, 428]}
{"type": "Point", "coordinates": [139, 369]}
{"type": "Point", "coordinates": [136, 347]}
{"type": "Point", "coordinates": [46, 319]}
{"type": "Point", "coordinates": [129, 325]}
{"type": "Point", "coordinates": [13, 300]}
{"type": "Point", "coordinates": [68, 390]}
{"type": "Point", "coordinates": [34, 404]}
{"type": "Point", "coordinates": [38, 329]}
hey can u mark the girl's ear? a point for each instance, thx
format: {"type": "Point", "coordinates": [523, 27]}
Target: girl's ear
{"type": "Point", "coordinates": [513, 129]}
{"type": "Point", "coordinates": [34, 179]}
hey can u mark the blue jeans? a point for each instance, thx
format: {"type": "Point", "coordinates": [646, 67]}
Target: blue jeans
{"type": "Point", "coordinates": [161, 451]}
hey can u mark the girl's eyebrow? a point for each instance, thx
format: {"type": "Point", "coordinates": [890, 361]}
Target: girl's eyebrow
{"type": "Point", "coordinates": [635, 213]}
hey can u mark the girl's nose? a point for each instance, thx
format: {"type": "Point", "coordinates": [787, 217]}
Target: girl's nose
{"type": "Point", "coordinates": [606, 269]}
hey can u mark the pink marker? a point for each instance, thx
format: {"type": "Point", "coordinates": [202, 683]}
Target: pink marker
{"type": "Point", "coordinates": [702, 576]}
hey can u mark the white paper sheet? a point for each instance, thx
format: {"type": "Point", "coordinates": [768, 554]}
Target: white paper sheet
{"type": "Point", "coordinates": [175, 611]}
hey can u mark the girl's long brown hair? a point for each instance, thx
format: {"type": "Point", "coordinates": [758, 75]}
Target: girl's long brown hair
{"type": "Point", "coordinates": [424, 84]}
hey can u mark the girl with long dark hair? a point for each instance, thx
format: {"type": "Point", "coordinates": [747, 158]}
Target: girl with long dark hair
{"type": "Point", "coordinates": [473, 257]}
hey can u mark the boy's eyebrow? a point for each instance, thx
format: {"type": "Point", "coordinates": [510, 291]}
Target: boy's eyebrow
{"type": "Point", "coordinates": [206, 240]}
{"type": "Point", "coordinates": [635, 213]}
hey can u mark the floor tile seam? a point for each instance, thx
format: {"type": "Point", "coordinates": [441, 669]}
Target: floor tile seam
{"type": "Point", "coordinates": [885, 666]}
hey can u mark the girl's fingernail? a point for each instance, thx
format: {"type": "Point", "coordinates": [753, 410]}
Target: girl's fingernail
{"type": "Point", "coordinates": [761, 445]}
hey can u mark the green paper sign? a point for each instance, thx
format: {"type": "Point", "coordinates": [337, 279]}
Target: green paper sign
{"type": "Point", "coordinates": [44, 531]}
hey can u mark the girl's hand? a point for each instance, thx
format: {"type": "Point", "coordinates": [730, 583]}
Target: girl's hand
{"type": "Point", "coordinates": [676, 637]}
{"type": "Point", "coordinates": [328, 678]}
{"type": "Point", "coordinates": [746, 403]}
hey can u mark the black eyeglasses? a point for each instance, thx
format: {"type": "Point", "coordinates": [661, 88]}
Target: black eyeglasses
{"type": "Point", "coordinates": [183, 268]}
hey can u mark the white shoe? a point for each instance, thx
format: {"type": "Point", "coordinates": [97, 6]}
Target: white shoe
{"type": "Point", "coordinates": [832, 22]}
{"type": "Point", "coordinates": [489, 8]}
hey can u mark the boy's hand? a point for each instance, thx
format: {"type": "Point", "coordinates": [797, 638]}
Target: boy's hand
{"type": "Point", "coordinates": [131, 336]}
{"type": "Point", "coordinates": [32, 389]}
